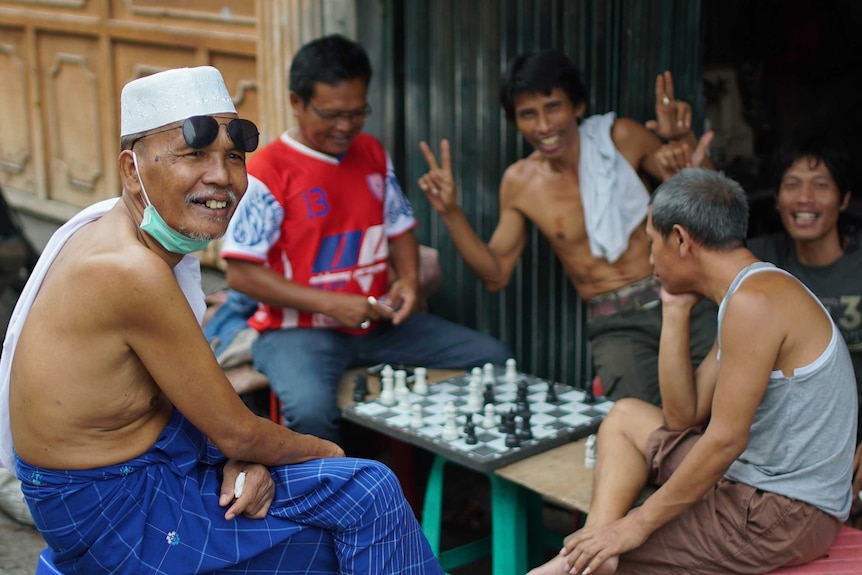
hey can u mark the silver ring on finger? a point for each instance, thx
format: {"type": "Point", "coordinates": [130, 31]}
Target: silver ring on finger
{"type": "Point", "coordinates": [666, 101]}
{"type": "Point", "coordinates": [372, 301]}
{"type": "Point", "coordinates": [366, 323]}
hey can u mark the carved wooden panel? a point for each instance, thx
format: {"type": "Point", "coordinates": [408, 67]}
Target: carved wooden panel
{"type": "Point", "coordinates": [223, 15]}
{"type": "Point", "coordinates": [73, 127]}
{"type": "Point", "coordinates": [17, 154]}
{"type": "Point", "coordinates": [63, 64]}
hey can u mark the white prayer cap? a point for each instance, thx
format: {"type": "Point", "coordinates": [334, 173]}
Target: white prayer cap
{"type": "Point", "coordinates": [166, 97]}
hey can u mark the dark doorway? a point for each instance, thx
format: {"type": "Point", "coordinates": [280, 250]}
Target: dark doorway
{"type": "Point", "coordinates": [772, 67]}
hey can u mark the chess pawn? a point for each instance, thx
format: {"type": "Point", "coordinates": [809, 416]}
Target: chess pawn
{"type": "Point", "coordinates": [488, 374]}
{"type": "Point", "coordinates": [450, 428]}
{"type": "Point", "coordinates": [489, 416]}
{"type": "Point", "coordinates": [590, 452]}
{"type": "Point", "coordinates": [417, 421]}
{"type": "Point", "coordinates": [420, 384]}
{"type": "Point", "coordinates": [387, 390]}
{"type": "Point", "coordinates": [476, 375]}
{"type": "Point", "coordinates": [403, 396]}
{"type": "Point", "coordinates": [400, 380]}
{"type": "Point", "coordinates": [511, 370]}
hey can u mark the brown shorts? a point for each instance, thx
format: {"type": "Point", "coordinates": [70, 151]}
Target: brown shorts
{"type": "Point", "coordinates": [734, 528]}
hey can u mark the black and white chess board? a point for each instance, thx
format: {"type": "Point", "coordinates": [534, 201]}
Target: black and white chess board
{"type": "Point", "coordinates": [550, 423]}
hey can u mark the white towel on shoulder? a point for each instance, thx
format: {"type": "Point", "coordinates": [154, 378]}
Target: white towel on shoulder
{"type": "Point", "coordinates": [615, 199]}
{"type": "Point", "coordinates": [187, 272]}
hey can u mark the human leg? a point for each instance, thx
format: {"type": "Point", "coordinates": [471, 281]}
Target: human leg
{"type": "Point", "coordinates": [621, 470]}
{"type": "Point", "coordinates": [304, 366]}
{"type": "Point", "coordinates": [624, 348]}
{"type": "Point", "coordinates": [430, 341]}
{"type": "Point", "coordinates": [734, 528]}
{"type": "Point", "coordinates": [361, 504]}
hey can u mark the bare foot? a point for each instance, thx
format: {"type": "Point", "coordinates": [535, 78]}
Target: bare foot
{"type": "Point", "coordinates": [557, 566]}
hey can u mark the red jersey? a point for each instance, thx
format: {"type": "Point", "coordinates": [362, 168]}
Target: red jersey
{"type": "Point", "coordinates": [320, 221]}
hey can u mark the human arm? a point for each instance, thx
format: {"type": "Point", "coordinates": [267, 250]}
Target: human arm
{"type": "Point", "coordinates": [494, 262]}
{"type": "Point", "coordinates": [271, 288]}
{"type": "Point", "coordinates": [404, 257]}
{"type": "Point", "coordinates": [686, 395]}
{"type": "Point", "coordinates": [750, 346]}
{"type": "Point", "coordinates": [161, 331]}
{"type": "Point", "coordinates": [257, 493]}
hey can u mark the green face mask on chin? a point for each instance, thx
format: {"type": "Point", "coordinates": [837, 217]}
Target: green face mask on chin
{"type": "Point", "coordinates": [159, 230]}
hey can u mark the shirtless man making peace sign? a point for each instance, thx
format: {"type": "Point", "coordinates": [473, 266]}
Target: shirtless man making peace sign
{"type": "Point", "coordinates": [584, 187]}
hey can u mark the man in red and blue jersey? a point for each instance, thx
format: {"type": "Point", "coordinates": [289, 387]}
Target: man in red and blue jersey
{"type": "Point", "coordinates": [313, 239]}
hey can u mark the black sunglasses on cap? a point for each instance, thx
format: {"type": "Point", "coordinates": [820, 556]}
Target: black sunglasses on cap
{"type": "Point", "coordinates": [201, 131]}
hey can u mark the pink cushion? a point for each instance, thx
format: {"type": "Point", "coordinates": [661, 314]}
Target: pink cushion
{"type": "Point", "coordinates": [844, 557]}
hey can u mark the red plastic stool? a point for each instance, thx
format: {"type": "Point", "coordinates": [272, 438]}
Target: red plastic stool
{"type": "Point", "coordinates": [844, 557]}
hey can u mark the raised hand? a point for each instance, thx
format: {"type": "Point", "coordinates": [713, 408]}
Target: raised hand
{"type": "Point", "coordinates": [673, 117]}
{"type": "Point", "coordinates": [439, 183]}
{"type": "Point", "coordinates": [676, 155]}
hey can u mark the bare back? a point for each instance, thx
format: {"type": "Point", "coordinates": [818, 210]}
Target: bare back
{"type": "Point", "coordinates": [79, 395]}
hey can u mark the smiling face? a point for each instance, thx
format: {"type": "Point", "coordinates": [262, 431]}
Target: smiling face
{"type": "Point", "coordinates": [549, 123]}
{"type": "Point", "coordinates": [332, 117]}
{"type": "Point", "coordinates": [809, 201]}
{"type": "Point", "coordinates": [194, 190]}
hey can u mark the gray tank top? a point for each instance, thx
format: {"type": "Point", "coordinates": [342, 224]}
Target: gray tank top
{"type": "Point", "coordinates": [803, 435]}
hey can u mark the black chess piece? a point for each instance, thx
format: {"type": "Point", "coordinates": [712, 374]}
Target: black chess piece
{"type": "Point", "coordinates": [525, 431]}
{"type": "Point", "coordinates": [488, 396]}
{"type": "Point", "coordinates": [551, 396]}
{"type": "Point", "coordinates": [590, 397]}
{"type": "Point", "coordinates": [360, 387]}
{"type": "Point", "coordinates": [470, 430]}
{"type": "Point", "coordinates": [512, 439]}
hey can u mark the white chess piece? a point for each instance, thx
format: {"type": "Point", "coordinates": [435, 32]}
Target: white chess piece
{"type": "Point", "coordinates": [387, 371]}
{"type": "Point", "coordinates": [590, 452]}
{"type": "Point", "coordinates": [474, 400]}
{"type": "Point", "coordinates": [417, 420]}
{"type": "Point", "coordinates": [403, 396]}
{"type": "Point", "coordinates": [488, 373]}
{"type": "Point", "coordinates": [490, 416]}
{"type": "Point", "coordinates": [450, 428]}
{"type": "Point", "coordinates": [511, 369]}
{"type": "Point", "coordinates": [420, 385]}
{"type": "Point", "coordinates": [387, 390]}
{"type": "Point", "coordinates": [476, 375]}
{"type": "Point", "coordinates": [400, 380]}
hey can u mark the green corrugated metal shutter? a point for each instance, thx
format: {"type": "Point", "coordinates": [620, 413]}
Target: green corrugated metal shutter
{"type": "Point", "coordinates": [441, 64]}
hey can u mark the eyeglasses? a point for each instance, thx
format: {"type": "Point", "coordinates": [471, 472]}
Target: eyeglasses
{"type": "Point", "coordinates": [333, 117]}
{"type": "Point", "coordinates": [201, 131]}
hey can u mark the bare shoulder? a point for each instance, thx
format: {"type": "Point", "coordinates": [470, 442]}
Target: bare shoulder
{"type": "Point", "coordinates": [633, 140]}
{"type": "Point", "coordinates": [521, 176]}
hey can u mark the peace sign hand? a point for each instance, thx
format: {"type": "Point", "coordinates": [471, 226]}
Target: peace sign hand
{"type": "Point", "coordinates": [673, 116]}
{"type": "Point", "coordinates": [438, 183]}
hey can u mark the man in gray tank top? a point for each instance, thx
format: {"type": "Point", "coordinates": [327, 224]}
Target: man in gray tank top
{"type": "Point", "coordinates": [751, 453]}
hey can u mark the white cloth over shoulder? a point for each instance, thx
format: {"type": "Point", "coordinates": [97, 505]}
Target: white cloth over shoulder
{"type": "Point", "coordinates": [615, 199]}
{"type": "Point", "coordinates": [188, 276]}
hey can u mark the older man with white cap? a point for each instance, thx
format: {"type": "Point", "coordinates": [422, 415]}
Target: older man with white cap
{"type": "Point", "coordinates": [134, 452]}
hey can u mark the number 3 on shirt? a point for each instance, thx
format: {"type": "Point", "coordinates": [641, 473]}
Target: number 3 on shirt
{"type": "Point", "coordinates": [315, 202]}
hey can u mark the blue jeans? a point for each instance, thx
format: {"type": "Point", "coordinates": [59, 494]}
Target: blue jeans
{"type": "Point", "coordinates": [304, 365]}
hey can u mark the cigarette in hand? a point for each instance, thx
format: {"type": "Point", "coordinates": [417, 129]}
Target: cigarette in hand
{"type": "Point", "coordinates": [239, 485]}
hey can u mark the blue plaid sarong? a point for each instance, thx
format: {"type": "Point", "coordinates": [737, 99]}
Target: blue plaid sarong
{"type": "Point", "coordinates": [159, 514]}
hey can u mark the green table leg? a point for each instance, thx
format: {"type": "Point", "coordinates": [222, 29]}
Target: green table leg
{"type": "Point", "coordinates": [509, 527]}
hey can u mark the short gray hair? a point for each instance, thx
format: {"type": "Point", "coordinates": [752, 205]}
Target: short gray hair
{"type": "Point", "coordinates": [711, 207]}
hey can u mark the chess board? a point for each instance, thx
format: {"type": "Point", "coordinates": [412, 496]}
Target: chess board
{"type": "Point", "coordinates": [552, 424]}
